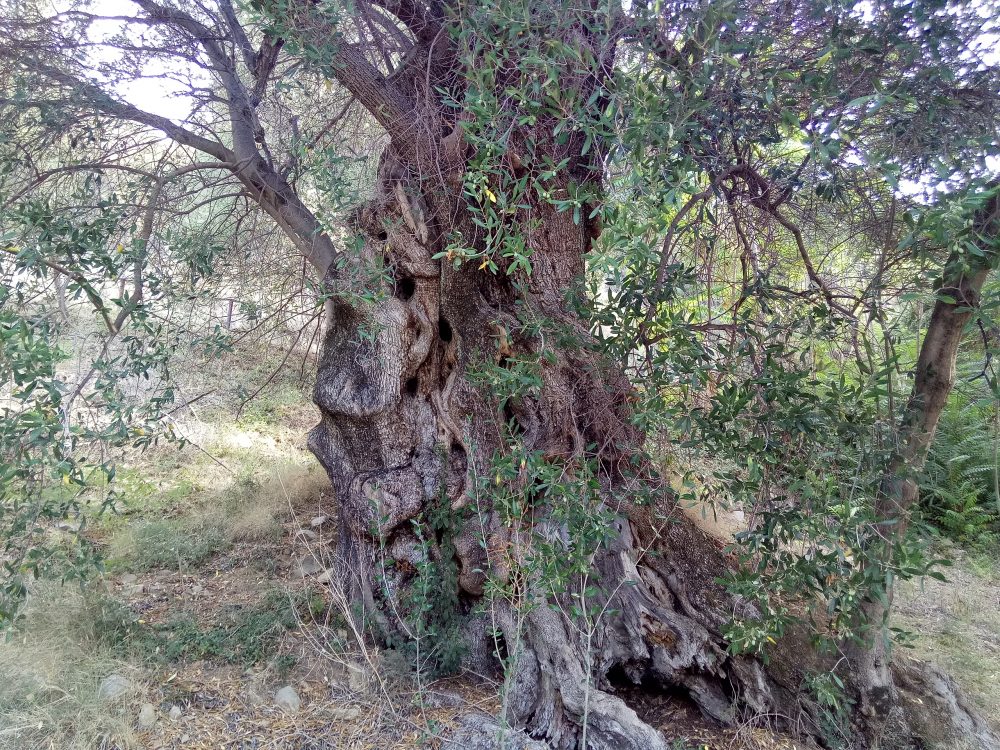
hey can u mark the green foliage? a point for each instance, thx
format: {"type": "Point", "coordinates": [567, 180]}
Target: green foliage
{"type": "Point", "coordinates": [729, 150]}
{"type": "Point", "coordinates": [41, 480]}
{"type": "Point", "coordinates": [435, 645]}
{"type": "Point", "coordinates": [54, 457]}
{"type": "Point", "coordinates": [242, 635]}
{"type": "Point", "coordinates": [958, 486]}
{"type": "Point", "coordinates": [835, 706]}
{"type": "Point", "coordinates": [172, 544]}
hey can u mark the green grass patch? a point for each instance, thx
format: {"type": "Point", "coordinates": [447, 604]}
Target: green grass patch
{"type": "Point", "coordinates": [273, 405]}
{"type": "Point", "coordinates": [170, 543]}
{"type": "Point", "coordinates": [244, 636]}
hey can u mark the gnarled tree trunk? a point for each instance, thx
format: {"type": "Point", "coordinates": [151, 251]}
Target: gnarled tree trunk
{"type": "Point", "coordinates": [406, 435]}
{"type": "Point", "coordinates": [405, 430]}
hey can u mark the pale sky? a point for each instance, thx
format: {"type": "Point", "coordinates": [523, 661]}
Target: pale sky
{"type": "Point", "coordinates": [160, 96]}
{"type": "Point", "coordinates": [168, 98]}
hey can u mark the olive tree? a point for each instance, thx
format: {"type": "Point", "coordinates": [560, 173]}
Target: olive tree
{"type": "Point", "coordinates": [474, 430]}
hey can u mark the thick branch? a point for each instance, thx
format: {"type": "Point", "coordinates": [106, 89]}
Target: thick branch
{"type": "Point", "coordinates": [239, 35]}
{"type": "Point", "coordinates": [417, 17]}
{"type": "Point", "coordinates": [389, 106]}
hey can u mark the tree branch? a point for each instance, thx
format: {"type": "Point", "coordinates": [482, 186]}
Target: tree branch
{"type": "Point", "coordinates": [240, 38]}
{"type": "Point", "coordinates": [125, 111]}
{"type": "Point", "coordinates": [389, 106]}
{"type": "Point", "coordinates": [814, 277]}
{"type": "Point", "coordinates": [417, 17]}
{"type": "Point", "coordinates": [668, 242]}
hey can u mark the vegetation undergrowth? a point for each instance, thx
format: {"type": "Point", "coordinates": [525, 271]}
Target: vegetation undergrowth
{"type": "Point", "coordinates": [50, 670]}
{"type": "Point", "coordinates": [242, 635]}
{"type": "Point", "coordinates": [960, 487]}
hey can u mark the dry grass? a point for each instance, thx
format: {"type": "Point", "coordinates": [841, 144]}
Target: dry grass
{"type": "Point", "coordinates": [239, 485]}
{"type": "Point", "coordinates": [49, 679]}
{"type": "Point", "coordinates": [957, 624]}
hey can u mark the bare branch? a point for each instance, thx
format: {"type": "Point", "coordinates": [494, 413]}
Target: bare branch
{"type": "Point", "coordinates": [125, 111]}
{"type": "Point", "coordinates": [239, 35]}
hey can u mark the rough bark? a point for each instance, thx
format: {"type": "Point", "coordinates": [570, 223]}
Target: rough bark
{"type": "Point", "coordinates": [402, 425]}
{"type": "Point", "coordinates": [401, 421]}
{"type": "Point", "coordinates": [405, 433]}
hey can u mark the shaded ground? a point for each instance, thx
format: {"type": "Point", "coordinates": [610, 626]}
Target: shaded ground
{"type": "Point", "coordinates": [954, 624]}
{"type": "Point", "coordinates": [217, 596]}
{"type": "Point", "coordinates": [957, 625]}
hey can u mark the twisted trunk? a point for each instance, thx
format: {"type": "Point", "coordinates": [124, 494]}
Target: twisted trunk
{"type": "Point", "coordinates": [410, 437]}
{"type": "Point", "coordinates": [405, 434]}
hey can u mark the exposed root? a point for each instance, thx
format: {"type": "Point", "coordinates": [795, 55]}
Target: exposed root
{"type": "Point", "coordinates": [937, 712]}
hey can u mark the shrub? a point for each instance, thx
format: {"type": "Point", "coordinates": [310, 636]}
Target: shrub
{"type": "Point", "coordinates": [958, 490]}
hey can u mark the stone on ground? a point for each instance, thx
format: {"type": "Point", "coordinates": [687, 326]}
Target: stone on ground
{"type": "Point", "coordinates": [307, 566]}
{"type": "Point", "coordinates": [287, 699]}
{"type": "Point", "coordinates": [348, 713]}
{"type": "Point", "coordinates": [357, 678]}
{"type": "Point", "coordinates": [147, 716]}
{"type": "Point", "coordinates": [477, 731]}
{"type": "Point", "coordinates": [112, 687]}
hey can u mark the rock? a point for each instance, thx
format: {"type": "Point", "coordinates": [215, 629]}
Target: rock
{"type": "Point", "coordinates": [307, 566]}
{"type": "Point", "coordinates": [112, 687]}
{"type": "Point", "coordinates": [318, 521]}
{"type": "Point", "coordinates": [175, 713]}
{"type": "Point", "coordinates": [287, 699]}
{"type": "Point", "coordinates": [325, 577]}
{"type": "Point", "coordinates": [481, 732]}
{"type": "Point", "coordinates": [128, 578]}
{"type": "Point", "coordinates": [357, 678]}
{"type": "Point", "coordinates": [348, 713]}
{"type": "Point", "coordinates": [147, 716]}
{"type": "Point", "coordinates": [435, 699]}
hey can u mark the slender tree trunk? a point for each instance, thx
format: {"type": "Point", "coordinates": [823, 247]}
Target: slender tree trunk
{"type": "Point", "coordinates": [957, 294]}
{"type": "Point", "coordinates": [61, 282]}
